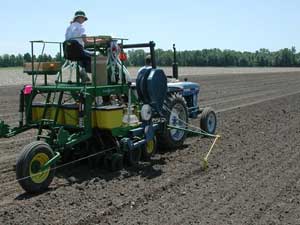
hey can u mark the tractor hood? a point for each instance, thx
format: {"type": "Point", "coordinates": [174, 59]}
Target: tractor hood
{"type": "Point", "coordinates": [186, 87]}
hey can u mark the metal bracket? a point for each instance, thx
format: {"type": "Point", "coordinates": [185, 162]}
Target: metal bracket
{"type": "Point", "coordinates": [4, 129]}
{"type": "Point", "coordinates": [62, 137]}
{"type": "Point", "coordinates": [51, 162]}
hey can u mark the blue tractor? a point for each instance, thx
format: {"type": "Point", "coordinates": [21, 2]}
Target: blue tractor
{"type": "Point", "coordinates": [180, 104]}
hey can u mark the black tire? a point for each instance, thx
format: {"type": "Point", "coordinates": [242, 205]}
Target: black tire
{"type": "Point", "coordinates": [134, 157]}
{"type": "Point", "coordinates": [117, 162]}
{"type": "Point", "coordinates": [107, 162]}
{"type": "Point", "coordinates": [173, 138]}
{"type": "Point", "coordinates": [97, 159]}
{"type": "Point", "coordinates": [32, 157]}
{"type": "Point", "coordinates": [208, 120]}
{"type": "Point", "coordinates": [149, 149]}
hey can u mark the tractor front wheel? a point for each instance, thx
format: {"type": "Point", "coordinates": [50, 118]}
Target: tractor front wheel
{"type": "Point", "coordinates": [29, 164]}
{"type": "Point", "coordinates": [208, 120]}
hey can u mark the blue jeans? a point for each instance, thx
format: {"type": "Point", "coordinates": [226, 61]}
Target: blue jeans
{"type": "Point", "coordinates": [75, 52]}
{"type": "Point", "coordinates": [86, 61]}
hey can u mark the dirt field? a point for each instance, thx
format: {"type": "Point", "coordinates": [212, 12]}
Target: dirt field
{"type": "Point", "coordinates": [15, 76]}
{"type": "Point", "coordinates": [253, 177]}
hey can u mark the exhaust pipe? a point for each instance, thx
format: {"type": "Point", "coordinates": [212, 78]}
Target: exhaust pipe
{"type": "Point", "coordinates": [175, 64]}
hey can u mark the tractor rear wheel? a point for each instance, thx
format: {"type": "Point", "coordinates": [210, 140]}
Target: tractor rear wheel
{"type": "Point", "coordinates": [176, 114]}
{"type": "Point", "coordinates": [29, 164]}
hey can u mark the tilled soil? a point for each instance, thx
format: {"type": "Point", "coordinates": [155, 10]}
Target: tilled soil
{"type": "Point", "coordinates": [253, 175]}
{"type": "Point", "coordinates": [15, 75]}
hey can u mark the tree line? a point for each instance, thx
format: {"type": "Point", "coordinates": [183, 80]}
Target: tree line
{"type": "Point", "coordinates": [217, 57]}
{"type": "Point", "coordinates": [205, 57]}
{"type": "Point", "coordinates": [7, 60]}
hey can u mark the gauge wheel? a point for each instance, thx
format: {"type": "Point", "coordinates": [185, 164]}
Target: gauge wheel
{"type": "Point", "coordinates": [208, 120]}
{"type": "Point", "coordinates": [176, 114]}
{"type": "Point", "coordinates": [29, 163]}
{"type": "Point", "coordinates": [149, 149]}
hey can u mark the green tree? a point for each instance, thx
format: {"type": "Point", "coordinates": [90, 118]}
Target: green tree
{"type": "Point", "coordinates": [27, 57]}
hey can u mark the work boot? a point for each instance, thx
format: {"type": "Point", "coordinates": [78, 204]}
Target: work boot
{"type": "Point", "coordinates": [83, 76]}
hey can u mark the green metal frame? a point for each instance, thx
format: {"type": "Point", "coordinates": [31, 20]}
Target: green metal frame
{"type": "Point", "coordinates": [88, 91]}
{"type": "Point", "coordinates": [61, 137]}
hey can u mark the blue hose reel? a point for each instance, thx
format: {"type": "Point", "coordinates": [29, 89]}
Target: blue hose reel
{"type": "Point", "coordinates": [151, 85]}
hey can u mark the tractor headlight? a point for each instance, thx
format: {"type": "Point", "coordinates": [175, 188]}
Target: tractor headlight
{"type": "Point", "coordinates": [146, 112]}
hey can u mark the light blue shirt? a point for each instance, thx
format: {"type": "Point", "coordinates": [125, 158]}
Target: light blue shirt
{"type": "Point", "coordinates": [74, 32]}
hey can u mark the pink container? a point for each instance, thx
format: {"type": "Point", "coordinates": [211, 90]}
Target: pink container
{"type": "Point", "coordinates": [27, 89]}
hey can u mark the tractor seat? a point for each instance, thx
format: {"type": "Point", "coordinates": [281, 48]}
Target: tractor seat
{"type": "Point", "coordinates": [73, 51]}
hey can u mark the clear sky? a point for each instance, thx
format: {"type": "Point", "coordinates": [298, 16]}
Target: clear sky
{"type": "Point", "coordinates": [191, 24]}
